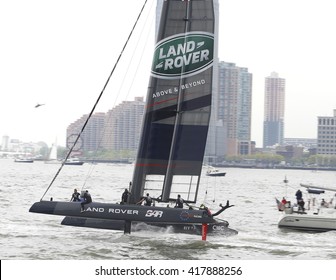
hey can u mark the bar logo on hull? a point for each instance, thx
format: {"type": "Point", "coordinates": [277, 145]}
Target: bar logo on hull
{"type": "Point", "coordinates": [183, 55]}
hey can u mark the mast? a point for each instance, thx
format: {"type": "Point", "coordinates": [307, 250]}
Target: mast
{"type": "Point", "coordinates": [169, 174]}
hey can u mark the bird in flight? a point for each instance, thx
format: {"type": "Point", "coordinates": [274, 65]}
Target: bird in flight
{"type": "Point", "coordinates": [38, 105]}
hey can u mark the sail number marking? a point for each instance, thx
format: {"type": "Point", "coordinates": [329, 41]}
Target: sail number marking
{"type": "Point", "coordinates": [154, 213]}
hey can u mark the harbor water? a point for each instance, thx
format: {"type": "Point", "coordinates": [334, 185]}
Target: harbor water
{"type": "Point", "coordinates": [30, 236]}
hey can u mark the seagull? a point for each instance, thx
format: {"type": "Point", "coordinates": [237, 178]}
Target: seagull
{"type": "Point", "coordinates": [38, 105]}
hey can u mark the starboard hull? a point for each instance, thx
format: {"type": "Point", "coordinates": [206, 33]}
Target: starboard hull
{"type": "Point", "coordinates": [218, 228]}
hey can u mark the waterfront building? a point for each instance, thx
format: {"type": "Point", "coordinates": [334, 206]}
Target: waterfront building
{"type": "Point", "coordinates": [306, 143]}
{"type": "Point", "coordinates": [274, 109]}
{"type": "Point", "coordinates": [326, 135]}
{"type": "Point", "coordinates": [123, 126]}
{"type": "Point", "coordinates": [5, 143]}
{"type": "Point", "coordinates": [91, 138]}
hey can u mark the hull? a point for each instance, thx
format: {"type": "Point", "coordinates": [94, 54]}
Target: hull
{"type": "Point", "coordinates": [218, 228]}
{"type": "Point", "coordinates": [308, 222]}
{"type": "Point", "coordinates": [111, 211]}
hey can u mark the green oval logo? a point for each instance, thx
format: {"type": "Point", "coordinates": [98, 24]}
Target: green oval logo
{"type": "Point", "coordinates": [183, 55]}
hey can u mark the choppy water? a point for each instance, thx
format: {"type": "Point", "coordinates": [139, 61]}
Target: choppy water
{"type": "Point", "coordinates": [25, 235]}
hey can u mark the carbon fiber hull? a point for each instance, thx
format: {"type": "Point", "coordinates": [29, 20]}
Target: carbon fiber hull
{"type": "Point", "coordinates": [218, 228]}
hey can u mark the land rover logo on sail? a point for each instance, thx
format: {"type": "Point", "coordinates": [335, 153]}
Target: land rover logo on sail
{"type": "Point", "coordinates": [183, 55]}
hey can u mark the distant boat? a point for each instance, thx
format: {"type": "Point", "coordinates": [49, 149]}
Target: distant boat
{"type": "Point", "coordinates": [73, 161]}
{"type": "Point", "coordinates": [24, 160]}
{"type": "Point", "coordinates": [215, 172]}
{"type": "Point", "coordinates": [52, 159]}
{"type": "Point", "coordinates": [316, 214]}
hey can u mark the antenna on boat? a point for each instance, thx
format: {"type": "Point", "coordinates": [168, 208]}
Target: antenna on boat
{"type": "Point", "coordinates": [286, 183]}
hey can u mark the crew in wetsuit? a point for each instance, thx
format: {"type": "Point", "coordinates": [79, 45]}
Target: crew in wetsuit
{"type": "Point", "coordinates": [124, 197]}
{"type": "Point", "coordinates": [75, 196]}
{"type": "Point", "coordinates": [147, 199]}
{"type": "Point", "coordinates": [179, 202]}
{"type": "Point", "coordinates": [87, 199]}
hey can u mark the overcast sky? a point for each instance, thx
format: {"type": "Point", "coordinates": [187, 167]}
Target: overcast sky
{"type": "Point", "coordinates": [60, 53]}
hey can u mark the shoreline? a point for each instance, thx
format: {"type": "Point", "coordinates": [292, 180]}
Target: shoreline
{"type": "Point", "coordinates": [275, 167]}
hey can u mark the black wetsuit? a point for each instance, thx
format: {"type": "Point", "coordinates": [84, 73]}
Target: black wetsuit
{"type": "Point", "coordinates": [148, 201]}
{"type": "Point", "coordinates": [124, 197]}
{"type": "Point", "coordinates": [75, 196]}
{"type": "Point", "coordinates": [87, 199]}
{"type": "Point", "coordinates": [179, 203]}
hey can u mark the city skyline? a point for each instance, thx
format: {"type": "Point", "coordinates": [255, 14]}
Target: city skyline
{"type": "Point", "coordinates": [61, 56]}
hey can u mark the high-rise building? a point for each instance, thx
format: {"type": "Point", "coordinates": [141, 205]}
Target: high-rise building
{"type": "Point", "coordinates": [5, 143]}
{"type": "Point", "coordinates": [91, 138]}
{"type": "Point", "coordinates": [212, 149]}
{"type": "Point", "coordinates": [117, 130]}
{"type": "Point", "coordinates": [123, 126]}
{"type": "Point", "coordinates": [274, 110]}
{"type": "Point", "coordinates": [326, 135]}
{"type": "Point", "coordinates": [233, 110]}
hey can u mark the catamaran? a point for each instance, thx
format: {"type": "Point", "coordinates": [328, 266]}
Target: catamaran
{"type": "Point", "coordinates": [174, 132]}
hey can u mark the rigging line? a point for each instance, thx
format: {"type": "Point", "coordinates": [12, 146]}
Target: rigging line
{"type": "Point", "coordinates": [121, 86]}
{"type": "Point", "coordinates": [215, 188]}
{"type": "Point", "coordinates": [143, 49]}
{"type": "Point", "coordinates": [145, 26]}
{"type": "Point", "coordinates": [97, 101]}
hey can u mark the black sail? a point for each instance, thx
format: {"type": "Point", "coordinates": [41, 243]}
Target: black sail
{"type": "Point", "coordinates": [175, 124]}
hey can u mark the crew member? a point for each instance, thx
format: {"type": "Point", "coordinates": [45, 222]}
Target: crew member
{"type": "Point", "coordinates": [124, 197]}
{"type": "Point", "coordinates": [87, 199]}
{"type": "Point", "coordinates": [75, 196]}
{"type": "Point", "coordinates": [147, 199]}
{"type": "Point", "coordinates": [179, 202]}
